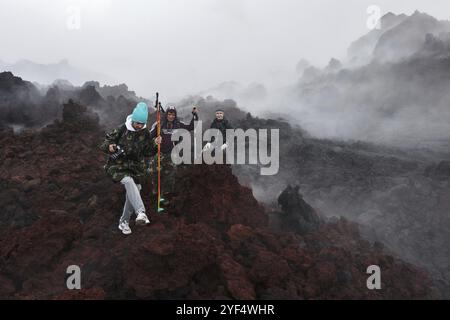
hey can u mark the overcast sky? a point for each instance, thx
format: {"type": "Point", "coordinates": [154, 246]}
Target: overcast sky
{"type": "Point", "coordinates": [183, 46]}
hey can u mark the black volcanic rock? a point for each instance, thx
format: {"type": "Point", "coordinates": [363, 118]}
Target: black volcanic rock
{"type": "Point", "coordinates": [440, 171]}
{"type": "Point", "coordinates": [10, 84]}
{"type": "Point", "coordinates": [297, 214]}
{"type": "Point", "coordinates": [89, 96]}
{"type": "Point", "coordinates": [78, 115]}
{"type": "Point", "coordinates": [18, 101]}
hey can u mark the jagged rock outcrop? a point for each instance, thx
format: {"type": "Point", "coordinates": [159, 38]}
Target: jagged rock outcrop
{"type": "Point", "coordinates": [78, 116]}
{"type": "Point", "coordinates": [407, 37]}
{"type": "Point", "coordinates": [88, 95]}
{"type": "Point", "coordinates": [361, 51]}
{"type": "Point", "coordinates": [297, 214]}
{"type": "Point", "coordinates": [18, 101]}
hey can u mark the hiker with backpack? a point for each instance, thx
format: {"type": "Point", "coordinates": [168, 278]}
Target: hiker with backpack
{"type": "Point", "coordinates": [127, 147]}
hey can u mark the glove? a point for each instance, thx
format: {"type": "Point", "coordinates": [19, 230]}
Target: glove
{"type": "Point", "coordinates": [195, 114]}
{"type": "Point", "coordinates": [224, 146]}
{"type": "Point", "coordinates": [207, 147]}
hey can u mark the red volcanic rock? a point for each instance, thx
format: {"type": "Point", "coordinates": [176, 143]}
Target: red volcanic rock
{"type": "Point", "coordinates": [34, 247]}
{"type": "Point", "coordinates": [213, 242]}
{"type": "Point", "coordinates": [324, 273]}
{"type": "Point", "coordinates": [237, 282]}
{"type": "Point", "coordinates": [269, 268]}
{"type": "Point", "coordinates": [225, 203]}
{"type": "Point", "coordinates": [7, 287]}
{"type": "Point", "coordinates": [175, 258]}
{"type": "Point", "coordinates": [238, 234]}
{"type": "Point", "coordinates": [83, 294]}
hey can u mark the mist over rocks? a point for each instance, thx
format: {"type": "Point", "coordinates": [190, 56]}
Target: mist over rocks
{"type": "Point", "coordinates": [72, 188]}
{"type": "Point", "coordinates": [63, 210]}
{"type": "Point", "coordinates": [399, 37]}
{"type": "Point", "coordinates": [61, 84]}
{"type": "Point", "coordinates": [25, 105]}
{"type": "Point", "coordinates": [19, 101]}
{"type": "Point", "coordinates": [46, 74]}
{"type": "Point", "coordinates": [365, 138]}
{"type": "Point", "coordinates": [391, 89]}
{"type": "Point", "coordinates": [360, 51]}
{"type": "Point", "coordinates": [301, 66]}
{"type": "Point", "coordinates": [406, 38]}
{"type": "Point", "coordinates": [439, 171]}
{"type": "Point", "coordinates": [252, 94]}
{"type": "Point", "coordinates": [399, 197]}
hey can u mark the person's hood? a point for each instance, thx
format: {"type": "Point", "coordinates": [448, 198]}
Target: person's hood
{"type": "Point", "coordinates": [129, 125]}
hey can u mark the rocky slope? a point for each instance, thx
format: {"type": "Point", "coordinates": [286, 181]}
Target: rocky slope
{"type": "Point", "coordinates": [399, 196]}
{"type": "Point", "coordinates": [388, 106]}
{"type": "Point", "coordinates": [216, 241]}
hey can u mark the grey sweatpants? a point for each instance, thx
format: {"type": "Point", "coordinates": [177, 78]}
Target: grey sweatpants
{"type": "Point", "coordinates": [133, 202]}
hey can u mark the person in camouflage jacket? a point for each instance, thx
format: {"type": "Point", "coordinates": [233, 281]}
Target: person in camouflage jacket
{"type": "Point", "coordinates": [130, 144]}
{"type": "Point", "coordinates": [136, 145]}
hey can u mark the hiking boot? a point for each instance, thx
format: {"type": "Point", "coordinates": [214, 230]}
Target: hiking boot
{"type": "Point", "coordinates": [124, 227]}
{"type": "Point", "coordinates": [142, 219]}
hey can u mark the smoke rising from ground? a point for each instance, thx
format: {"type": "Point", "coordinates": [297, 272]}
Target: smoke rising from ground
{"type": "Point", "coordinates": [398, 96]}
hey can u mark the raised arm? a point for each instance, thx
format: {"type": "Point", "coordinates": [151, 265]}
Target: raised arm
{"type": "Point", "coordinates": [191, 125]}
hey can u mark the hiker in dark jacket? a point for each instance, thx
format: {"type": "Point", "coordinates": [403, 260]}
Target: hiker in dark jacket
{"type": "Point", "coordinates": [128, 146]}
{"type": "Point", "coordinates": [221, 124]}
{"type": "Point", "coordinates": [169, 124]}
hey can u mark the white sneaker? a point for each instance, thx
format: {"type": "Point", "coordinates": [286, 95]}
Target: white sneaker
{"type": "Point", "coordinates": [124, 227]}
{"type": "Point", "coordinates": [142, 219]}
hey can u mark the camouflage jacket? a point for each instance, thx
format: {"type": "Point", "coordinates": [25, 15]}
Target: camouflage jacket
{"type": "Point", "coordinates": [138, 145]}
